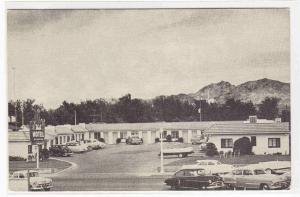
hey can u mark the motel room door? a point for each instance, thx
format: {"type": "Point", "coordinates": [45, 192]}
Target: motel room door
{"type": "Point", "coordinates": [185, 136]}
{"type": "Point", "coordinates": [105, 136]}
{"type": "Point", "coordinates": [115, 137]}
{"type": "Point", "coordinates": [145, 137]}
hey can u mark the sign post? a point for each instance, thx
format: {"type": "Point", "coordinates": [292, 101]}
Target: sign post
{"type": "Point", "coordinates": [37, 134]}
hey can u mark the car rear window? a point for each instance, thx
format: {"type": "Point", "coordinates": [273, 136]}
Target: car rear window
{"type": "Point", "coordinates": [259, 171]}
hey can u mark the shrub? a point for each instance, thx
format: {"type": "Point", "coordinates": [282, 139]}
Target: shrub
{"type": "Point", "coordinates": [118, 140]}
{"type": "Point", "coordinates": [169, 138]}
{"type": "Point", "coordinates": [278, 153]}
{"type": "Point", "coordinates": [102, 140]}
{"type": "Point", "coordinates": [180, 140]}
{"type": "Point", "coordinates": [211, 149]}
{"type": "Point", "coordinates": [156, 140]}
{"type": "Point", "coordinates": [44, 154]}
{"type": "Point", "coordinates": [16, 158]}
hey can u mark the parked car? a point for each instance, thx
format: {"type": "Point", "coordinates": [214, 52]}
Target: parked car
{"type": "Point", "coordinates": [194, 178]}
{"type": "Point", "coordinates": [94, 144]}
{"type": "Point", "coordinates": [198, 139]}
{"type": "Point", "coordinates": [76, 147]}
{"type": "Point", "coordinates": [212, 166]}
{"type": "Point", "coordinates": [180, 152]}
{"type": "Point", "coordinates": [253, 178]}
{"type": "Point", "coordinates": [19, 181]}
{"type": "Point", "coordinates": [134, 140]}
{"type": "Point", "coordinates": [60, 151]}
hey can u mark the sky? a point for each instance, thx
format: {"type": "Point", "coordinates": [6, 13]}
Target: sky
{"type": "Point", "coordinates": [75, 55]}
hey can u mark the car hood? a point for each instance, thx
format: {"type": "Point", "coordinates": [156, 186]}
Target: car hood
{"type": "Point", "coordinates": [40, 180]}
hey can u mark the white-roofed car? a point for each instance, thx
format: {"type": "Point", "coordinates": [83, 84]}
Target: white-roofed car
{"type": "Point", "coordinates": [76, 147]}
{"type": "Point", "coordinates": [212, 166]}
{"type": "Point", "coordinates": [281, 168]}
{"type": "Point", "coordinates": [19, 181]}
{"type": "Point", "coordinates": [253, 178]}
{"type": "Point", "coordinates": [94, 144]}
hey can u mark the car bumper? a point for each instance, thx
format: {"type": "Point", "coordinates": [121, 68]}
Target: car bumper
{"type": "Point", "coordinates": [282, 185]}
{"type": "Point", "coordinates": [41, 188]}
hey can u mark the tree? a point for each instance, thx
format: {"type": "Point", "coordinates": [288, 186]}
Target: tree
{"type": "Point", "coordinates": [268, 108]}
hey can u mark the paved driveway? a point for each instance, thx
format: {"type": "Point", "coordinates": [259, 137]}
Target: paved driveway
{"type": "Point", "coordinates": [120, 158]}
{"type": "Point", "coordinates": [117, 167]}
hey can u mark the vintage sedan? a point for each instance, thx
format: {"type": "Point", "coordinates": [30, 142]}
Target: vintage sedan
{"type": "Point", "coordinates": [19, 181]}
{"type": "Point", "coordinates": [76, 147]}
{"type": "Point", "coordinates": [94, 144]}
{"type": "Point", "coordinates": [194, 178]}
{"type": "Point", "coordinates": [198, 139]}
{"type": "Point", "coordinates": [60, 151]}
{"type": "Point", "coordinates": [253, 178]}
{"type": "Point", "coordinates": [134, 140]}
{"type": "Point", "coordinates": [212, 166]}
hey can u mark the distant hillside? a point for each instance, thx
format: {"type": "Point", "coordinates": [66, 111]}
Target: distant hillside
{"type": "Point", "coordinates": [254, 91]}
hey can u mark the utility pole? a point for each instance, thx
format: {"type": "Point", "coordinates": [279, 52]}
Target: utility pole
{"type": "Point", "coordinates": [75, 117]}
{"type": "Point", "coordinates": [22, 110]}
{"type": "Point", "coordinates": [14, 95]}
{"type": "Point", "coordinates": [161, 130]}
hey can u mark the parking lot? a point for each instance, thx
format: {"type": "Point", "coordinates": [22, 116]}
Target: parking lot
{"type": "Point", "coordinates": [124, 167]}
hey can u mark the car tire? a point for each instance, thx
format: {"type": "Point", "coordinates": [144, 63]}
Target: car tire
{"type": "Point", "coordinates": [264, 187]}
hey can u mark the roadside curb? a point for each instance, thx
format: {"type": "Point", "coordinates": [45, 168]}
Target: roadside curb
{"type": "Point", "coordinates": [73, 166]}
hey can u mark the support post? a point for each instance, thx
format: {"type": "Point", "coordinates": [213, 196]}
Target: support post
{"type": "Point", "coordinates": [28, 180]}
{"type": "Point", "coordinates": [37, 157]}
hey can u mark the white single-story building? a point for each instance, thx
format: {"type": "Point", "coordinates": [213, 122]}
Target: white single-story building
{"type": "Point", "coordinates": [266, 137]}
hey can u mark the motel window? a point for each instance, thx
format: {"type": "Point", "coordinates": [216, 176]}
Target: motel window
{"type": "Point", "coordinates": [60, 140]}
{"type": "Point", "coordinates": [29, 149]}
{"type": "Point", "coordinates": [82, 136]}
{"type": "Point", "coordinates": [253, 140]}
{"type": "Point", "coordinates": [273, 142]}
{"type": "Point", "coordinates": [56, 140]}
{"type": "Point", "coordinates": [226, 143]}
{"type": "Point", "coordinates": [174, 134]}
{"type": "Point", "coordinates": [64, 139]}
{"type": "Point", "coordinates": [123, 135]}
{"type": "Point", "coordinates": [164, 134]}
{"type": "Point", "coordinates": [68, 138]}
{"type": "Point", "coordinates": [134, 133]}
{"type": "Point", "coordinates": [73, 137]}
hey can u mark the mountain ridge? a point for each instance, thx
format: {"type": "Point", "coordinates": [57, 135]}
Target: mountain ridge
{"type": "Point", "coordinates": [254, 91]}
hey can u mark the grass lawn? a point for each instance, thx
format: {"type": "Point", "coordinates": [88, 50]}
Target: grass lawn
{"type": "Point", "coordinates": [51, 163]}
{"type": "Point", "coordinates": [246, 159]}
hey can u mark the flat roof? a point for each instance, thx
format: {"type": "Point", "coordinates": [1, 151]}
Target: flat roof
{"type": "Point", "coordinates": [216, 127]}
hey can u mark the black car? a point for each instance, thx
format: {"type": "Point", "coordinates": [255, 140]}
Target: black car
{"type": "Point", "coordinates": [60, 151]}
{"type": "Point", "coordinates": [194, 178]}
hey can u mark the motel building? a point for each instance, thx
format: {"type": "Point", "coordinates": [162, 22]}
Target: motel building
{"type": "Point", "coordinates": [266, 136]}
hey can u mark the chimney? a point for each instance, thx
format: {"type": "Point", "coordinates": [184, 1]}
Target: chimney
{"type": "Point", "coordinates": [252, 119]}
{"type": "Point", "coordinates": [82, 125]}
{"type": "Point", "coordinates": [277, 120]}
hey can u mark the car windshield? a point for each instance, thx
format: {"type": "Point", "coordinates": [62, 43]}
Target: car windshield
{"type": "Point", "coordinates": [72, 144]}
{"type": "Point", "coordinates": [259, 171]}
{"type": "Point", "coordinates": [33, 174]}
{"type": "Point", "coordinates": [237, 172]}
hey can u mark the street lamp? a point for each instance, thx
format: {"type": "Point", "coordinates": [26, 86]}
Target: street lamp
{"type": "Point", "coordinates": [161, 130]}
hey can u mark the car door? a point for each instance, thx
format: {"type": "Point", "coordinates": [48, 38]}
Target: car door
{"type": "Point", "coordinates": [247, 180]}
{"type": "Point", "coordinates": [189, 179]}
{"type": "Point", "coordinates": [238, 178]}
